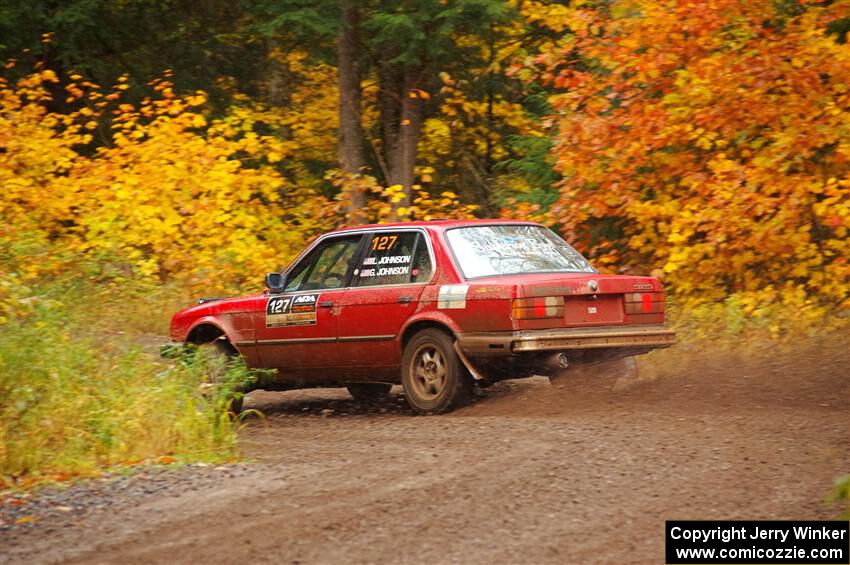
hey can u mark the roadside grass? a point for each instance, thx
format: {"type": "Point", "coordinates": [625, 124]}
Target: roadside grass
{"type": "Point", "coordinates": [840, 497]}
{"type": "Point", "coordinates": [81, 393]}
{"type": "Point", "coordinates": [743, 326]}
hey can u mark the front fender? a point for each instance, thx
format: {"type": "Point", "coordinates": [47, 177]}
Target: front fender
{"type": "Point", "coordinates": [222, 324]}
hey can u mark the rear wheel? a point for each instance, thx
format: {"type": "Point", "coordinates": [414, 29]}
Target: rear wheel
{"type": "Point", "coordinates": [369, 392]}
{"type": "Point", "coordinates": [433, 377]}
{"type": "Point", "coordinates": [217, 358]}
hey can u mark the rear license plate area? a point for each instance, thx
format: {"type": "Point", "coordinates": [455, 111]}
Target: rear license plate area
{"type": "Point", "coordinates": [588, 311]}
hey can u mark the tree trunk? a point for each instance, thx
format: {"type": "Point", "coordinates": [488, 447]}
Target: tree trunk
{"type": "Point", "coordinates": [277, 90]}
{"type": "Point", "coordinates": [389, 102]}
{"type": "Point", "coordinates": [401, 147]}
{"type": "Point", "coordinates": [351, 154]}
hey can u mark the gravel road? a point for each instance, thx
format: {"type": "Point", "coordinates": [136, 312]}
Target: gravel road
{"type": "Point", "coordinates": [584, 470]}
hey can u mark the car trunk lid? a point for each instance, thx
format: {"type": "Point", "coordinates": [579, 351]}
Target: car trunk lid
{"type": "Point", "coordinates": [587, 299]}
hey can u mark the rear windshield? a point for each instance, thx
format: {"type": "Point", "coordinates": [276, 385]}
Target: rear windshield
{"type": "Point", "coordinates": [483, 251]}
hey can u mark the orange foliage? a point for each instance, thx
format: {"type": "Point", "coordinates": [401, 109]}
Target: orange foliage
{"type": "Point", "coordinates": [711, 140]}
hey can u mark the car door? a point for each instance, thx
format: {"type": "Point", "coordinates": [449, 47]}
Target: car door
{"type": "Point", "coordinates": [299, 327]}
{"type": "Point", "coordinates": [395, 267]}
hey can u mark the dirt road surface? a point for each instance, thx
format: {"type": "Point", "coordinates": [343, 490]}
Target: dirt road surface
{"type": "Point", "coordinates": [585, 470]}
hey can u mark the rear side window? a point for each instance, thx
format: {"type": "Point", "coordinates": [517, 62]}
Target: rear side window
{"type": "Point", "coordinates": [395, 258]}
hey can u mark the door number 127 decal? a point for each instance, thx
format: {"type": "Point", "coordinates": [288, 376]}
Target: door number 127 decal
{"type": "Point", "coordinates": [299, 310]}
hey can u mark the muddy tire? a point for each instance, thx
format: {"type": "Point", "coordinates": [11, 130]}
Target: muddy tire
{"type": "Point", "coordinates": [217, 357]}
{"type": "Point", "coordinates": [369, 392]}
{"type": "Point", "coordinates": [432, 375]}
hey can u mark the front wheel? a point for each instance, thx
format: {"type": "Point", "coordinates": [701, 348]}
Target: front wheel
{"type": "Point", "coordinates": [433, 378]}
{"type": "Point", "coordinates": [217, 359]}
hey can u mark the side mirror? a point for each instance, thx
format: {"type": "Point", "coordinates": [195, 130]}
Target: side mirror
{"type": "Point", "coordinates": [275, 282]}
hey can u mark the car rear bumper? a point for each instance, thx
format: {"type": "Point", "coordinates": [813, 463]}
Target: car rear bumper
{"type": "Point", "coordinates": [496, 344]}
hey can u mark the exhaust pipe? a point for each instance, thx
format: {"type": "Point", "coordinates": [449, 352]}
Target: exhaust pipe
{"type": "Point", "coordinates": [553, 365]}
{"type": "Point", "coordinates": [561, 361]}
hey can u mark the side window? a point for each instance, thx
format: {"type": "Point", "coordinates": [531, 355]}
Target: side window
{"type": "Point", "coordinates": [395, 258]}
{"type": "Point", "coordinates": [325, 267]}
{"type": "Point", "coordinates": [422, 267]}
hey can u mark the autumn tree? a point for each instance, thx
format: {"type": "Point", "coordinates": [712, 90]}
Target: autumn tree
{"type": "Point", "coordinates": [403, 51]}
{"type": "Point", "coordinates": [710, 140]}
{"type": "Point", "coordinates": [352, 160]}
{"type": "Point", "coordinates": [201, 42]}
{"type": "Point", "coordinates": [210, 202]}
{"type": "Point", "coordinates": [410, 44]}
{"type": "Point", "coordinates": [174, 196]}
{"type": "Point", "coordinates": [419, 89]}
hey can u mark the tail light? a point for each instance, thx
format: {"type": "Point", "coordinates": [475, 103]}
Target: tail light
{"type": "Point", "coordinates": [644, 302]}
{"type": "Point", "coordinates": [540, 307]}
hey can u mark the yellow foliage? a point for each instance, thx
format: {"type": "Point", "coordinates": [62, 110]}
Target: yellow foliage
{"type": "Point", "coordinates": [383, 204]}
{"type": "Point", "coordinates": [174, 196]}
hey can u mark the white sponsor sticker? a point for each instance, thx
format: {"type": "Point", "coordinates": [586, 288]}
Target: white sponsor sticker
{"type": "Point", "coordinates": [452, 296]}
{"type": "Point", "coordinates": [299, 310]}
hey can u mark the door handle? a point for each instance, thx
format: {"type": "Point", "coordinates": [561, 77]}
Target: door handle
{"type": "Point", "coordinates": [326, 304]}
{"type": "Point", "coordinates": [405, 299]}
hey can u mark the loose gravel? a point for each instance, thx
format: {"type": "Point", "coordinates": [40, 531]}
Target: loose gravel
{"type": "Point", "coordinates": [53, 507]}
{"type": "Point", "coordinates": [584, 470]}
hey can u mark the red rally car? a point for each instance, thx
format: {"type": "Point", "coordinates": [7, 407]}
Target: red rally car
{"type": "Point", "coordinates": [435, 306]}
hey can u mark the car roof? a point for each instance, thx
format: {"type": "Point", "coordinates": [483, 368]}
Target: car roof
{"type": "Point", "coordinates": [439, 225]}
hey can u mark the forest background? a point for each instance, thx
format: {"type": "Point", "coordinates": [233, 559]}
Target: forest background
{"type": "Point", "coordinates": [155, 150]}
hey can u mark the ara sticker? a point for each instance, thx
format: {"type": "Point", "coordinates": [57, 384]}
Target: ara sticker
{"type": "Point", "coordinates": [298, 310]}
{"type": "Point", "coordinates": [452, 296]}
